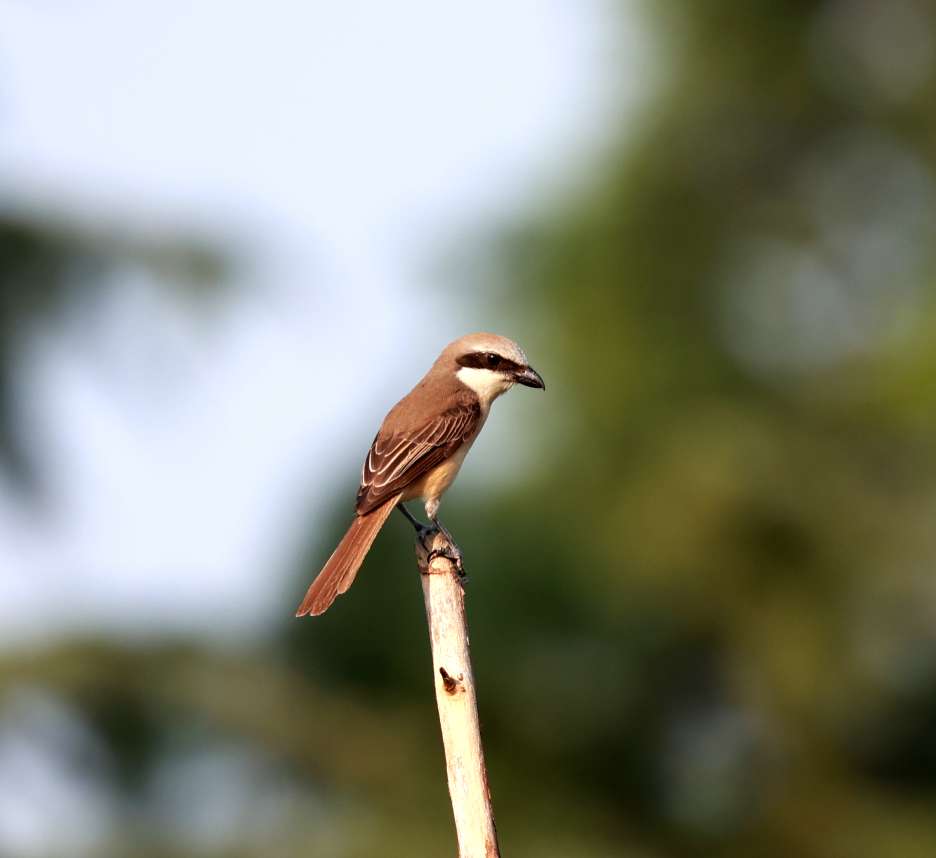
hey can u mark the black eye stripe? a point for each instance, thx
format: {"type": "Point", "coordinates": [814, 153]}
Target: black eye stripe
{"type": "Point", "coordinates": [487, 360]}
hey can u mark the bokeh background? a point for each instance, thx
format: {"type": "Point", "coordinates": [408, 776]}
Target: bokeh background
{"type": "Point", "coordinates": [702, 596]}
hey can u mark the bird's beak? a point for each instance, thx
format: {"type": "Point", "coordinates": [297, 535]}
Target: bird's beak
{"type": "Point", "coordinates": [529, 377]}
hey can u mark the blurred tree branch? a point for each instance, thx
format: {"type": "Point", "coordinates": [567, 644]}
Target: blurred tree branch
{"type": "Point", "coordinates": [264, 704]}
{"type": "Point", "coordinates": [46, 265]}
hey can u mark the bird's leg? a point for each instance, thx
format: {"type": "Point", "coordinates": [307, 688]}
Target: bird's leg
{"type": "Point", "coordinates": [420, 527]}
{"type": "Point", "coordinates": [451, 551]}
{"type": "Point", "coordinates": [422, 530]}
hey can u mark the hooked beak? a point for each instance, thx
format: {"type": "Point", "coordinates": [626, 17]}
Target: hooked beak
{"type": "Point", "coordinates": [529, 377]}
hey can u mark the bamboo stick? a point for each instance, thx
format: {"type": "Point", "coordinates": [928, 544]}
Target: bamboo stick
{"type": "Point", "coordinates": [455, 697]}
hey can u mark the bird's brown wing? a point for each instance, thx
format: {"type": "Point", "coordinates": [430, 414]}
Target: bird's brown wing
{"type": "Point", "coordinates": [397, 460]}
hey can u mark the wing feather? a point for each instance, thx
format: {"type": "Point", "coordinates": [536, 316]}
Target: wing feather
{"type": "Point", "coordinates": [399, 459]}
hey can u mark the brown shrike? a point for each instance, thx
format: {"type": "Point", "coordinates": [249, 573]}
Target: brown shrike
{"type": "Point", "coordinates": [421, 445]}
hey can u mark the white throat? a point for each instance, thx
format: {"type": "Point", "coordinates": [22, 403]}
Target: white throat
{"type": "Point", "coordinates": [484, 382]}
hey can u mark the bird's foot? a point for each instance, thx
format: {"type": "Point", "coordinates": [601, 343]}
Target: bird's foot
{"type": "Point", "coordinates": [450, 551]}
{"type": "Point", "coordinates": [436, 541]}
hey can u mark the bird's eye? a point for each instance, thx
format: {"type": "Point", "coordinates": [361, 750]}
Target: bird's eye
{"type": "Point", "coordinates": [492, 360]}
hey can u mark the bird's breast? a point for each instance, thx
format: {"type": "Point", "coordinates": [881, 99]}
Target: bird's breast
{"type": "Point", "coordinates": [442, 476]}
{"type": "Point", "coordinates": [433, 484]}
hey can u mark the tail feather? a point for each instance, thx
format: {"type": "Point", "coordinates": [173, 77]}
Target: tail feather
{"type": "Point", "coordinates": [338, 573]}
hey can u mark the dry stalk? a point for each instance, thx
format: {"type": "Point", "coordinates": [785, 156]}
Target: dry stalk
{"type": "Point", "coordinates": [455, 697]}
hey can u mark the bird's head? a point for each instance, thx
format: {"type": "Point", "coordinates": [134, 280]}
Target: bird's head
{"type": "Point", "coordinates": [490, 365]}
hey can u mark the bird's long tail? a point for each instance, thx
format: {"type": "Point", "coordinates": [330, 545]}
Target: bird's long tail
{"type": "Point", "coordinates": [338, 573]}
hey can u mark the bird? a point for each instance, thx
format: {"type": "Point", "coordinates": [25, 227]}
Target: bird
{"type": "Point", "coordinates": [419, 450]}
